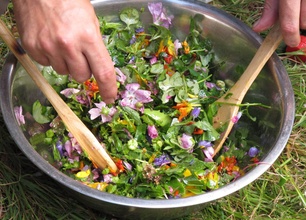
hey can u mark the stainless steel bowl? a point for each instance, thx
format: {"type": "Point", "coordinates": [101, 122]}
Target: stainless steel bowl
{"type": "Point", "coordinates": [233, 42]}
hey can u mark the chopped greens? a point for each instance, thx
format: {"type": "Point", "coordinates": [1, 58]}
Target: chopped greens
{"type": "Point", "coordinates": [159, 131]}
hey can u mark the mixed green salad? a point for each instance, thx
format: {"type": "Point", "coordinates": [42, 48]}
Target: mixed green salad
{"type": "Point", "coordinates": [159, 130]}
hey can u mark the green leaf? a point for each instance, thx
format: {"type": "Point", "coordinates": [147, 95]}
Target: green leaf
{"type": "Point", "coordinates": [41, 114]}
{"type": "Point", "coordinates": [160, 118]}
{"type": "Point", "coordinates": [129, 16]}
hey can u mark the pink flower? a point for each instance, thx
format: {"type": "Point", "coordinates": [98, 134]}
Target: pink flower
{"type": "Point", "coordinates": [187, 142]}
{"type": "Point", "coordinates": [19, 116]}
{"type": "Point", "coordinates": [134, 97]}
{"type": "Point", "coordinates": [102, 110]}
{"type": "Point", "coordinates": [152, 131]}
{"type": "Point", "coordinates": [177, 45]}
{"type": "Point", "coordinates": [159, 14]}
{"type": "Point", "coordinates": [120, 75]}
{"type": "Point", "coordinates": [68, 92]}
{"type": "Point", "coordinates": [236, 118]}
{"type": "Point", "coordinates": [209, 152]}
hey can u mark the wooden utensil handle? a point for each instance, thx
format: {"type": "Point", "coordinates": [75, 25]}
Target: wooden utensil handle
{"type": "Point", "coordinates": [83, 135]}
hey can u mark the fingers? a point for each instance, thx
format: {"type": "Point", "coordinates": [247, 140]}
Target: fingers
{"type": "Point", "coordinates": [269, 16]}
{"type": "Point", "coordinates": [303, 15]}
{"type": "Point", "coordinates": [289, 14]}
{"type": "Point", "coordinates": [102, 68]}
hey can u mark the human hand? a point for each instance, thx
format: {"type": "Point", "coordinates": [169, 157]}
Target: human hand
{"type": "Point", "coordinates": [291, 15]}
{"type": "Point", "coordinates": [65, 34]}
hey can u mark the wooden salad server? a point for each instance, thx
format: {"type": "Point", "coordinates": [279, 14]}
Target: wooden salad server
{"type": "Point", "coordinates": [229, 102]}
{"type": "Point", "coordinates": [83, 135]}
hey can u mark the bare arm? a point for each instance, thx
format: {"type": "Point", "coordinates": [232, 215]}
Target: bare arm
{"type": "Point", "coordinates": [65, 34]}
{"type": "Point", "coordinates": [290, 13]}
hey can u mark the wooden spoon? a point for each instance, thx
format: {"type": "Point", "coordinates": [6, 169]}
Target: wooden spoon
{"type": "Point", "coordinates": [229, 103]}
{"type": "Point", "coordinates": [83, 135]}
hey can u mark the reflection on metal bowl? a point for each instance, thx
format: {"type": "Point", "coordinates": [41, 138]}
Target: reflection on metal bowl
{"type": "Point", "coordinates": [233, 42]}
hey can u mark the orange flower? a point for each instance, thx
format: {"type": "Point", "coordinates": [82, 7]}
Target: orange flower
{"type": "Point", "coordinates": [186, 47]}
{"type": "Point", "coordinates": [228, 164]}
{"type": "Point", "coordinates": [184, 109]}
{"type": "Point", "coordinates": [91, 87]}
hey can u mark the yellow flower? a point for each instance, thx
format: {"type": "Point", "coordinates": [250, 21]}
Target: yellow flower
{"type": "Point", "coordinates": [83, 174]}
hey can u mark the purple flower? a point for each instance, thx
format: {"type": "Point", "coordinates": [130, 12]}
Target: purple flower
{"type": "Point", "coordinates": [209, 153]}
{"type": "Point", "coordinates": [159, 14]}
{"type": "Point", "coordinates": [102, 110]}
{"type": "Point", "coordinates": [133, 39]}
{"type": "Point", "coordinates": [120, 75]}
{"type": "Point", "coordinates": [134, 97]}
{"type": "Point", "coordinates": [152, 131]}
{"type": "Point", "coordinates": [139, 30]}
{"type": "Point", "coordinates": [236, 118]}
{"type": "Point", "coordinates": [195, 112]}
{"type": "Point", "coordinates": [203, 144]}
{"type": "Point", "coordinates": [19, 116]}
{"type": "Point", "coordinates": [127, 165]}
{"type": "Point", "coordinates": [187, 142]}
{"type": "Point", "coordinates": [162, 160]}
{"type": "Point", "coordinates": [59, 146]}
{"type": "Point", "coordinates": [253, 151]}
{"type": "Point", "coordinates": [208, 150]}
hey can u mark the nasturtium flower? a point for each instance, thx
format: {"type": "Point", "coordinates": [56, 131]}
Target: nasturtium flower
{"type": "Point", "coordinates": [134, 97]}
{"type": "Point", "coordinates": [91, 86]}
{"type": "Point", "coordinates": [152, 131]}
{"type": "Point", "coordinates": [187, 142]}
{"type": "Point", "coordinates": [102, 110]}
{"type": "Point", "coordinates": [19, 116]}
{"type": "Point", "coordinates": [184, 109]}
{"type": "Point", "coordinates": [159, 14]}
{"type": "Point", "coordinates": [236, 118]}
{"type": "Point", "coordinates": [253, 151]}
{"type": "Point", "coordinates": [161, 160]}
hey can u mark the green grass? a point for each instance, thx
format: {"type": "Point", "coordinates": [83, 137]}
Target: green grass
{"type": "Point", "coordinates": [26, 193]}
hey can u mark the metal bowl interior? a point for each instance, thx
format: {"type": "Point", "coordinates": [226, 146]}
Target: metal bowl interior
{"type": "Point", "coordinates": [233, 42]}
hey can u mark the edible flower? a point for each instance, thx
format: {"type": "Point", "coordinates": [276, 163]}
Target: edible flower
{"type": "Point", "coordinates": [186, 47]}
{"type": "Point", "coordinates": [159, 14]}
{"type": "Point", "coordinates": [134, 97]}
{"type": "Point", "coordinates": [236, 118]}
{"type": "Point", "coordinates": [187, 142]}
{"type": "Point", "coordinates": [152, 131]}
{"type": "Point", "coordinates": [253, 151]}
{"type": "Point", "coordinates": [120, 76]}
{"type": "Point", "coordinates": [184, 109]}
{"type": "Point", "coordinates": [19, 116]}
{"type": "Point", "coordinates": [228, 164]}
{"type": "Point", "coordinates": [162, 160]}
{"type": "Point", "coordinates": [195, 112]}
{"type": "Point", "coordinates": [91, 87]}
{"type": "Point", "coordinates": [208, 150]}
{"type": "Point", "coordinates": [102, 110]}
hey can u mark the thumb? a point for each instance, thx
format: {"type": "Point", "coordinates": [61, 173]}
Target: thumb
{"type": "Point", "coordinates": [268, 17]}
